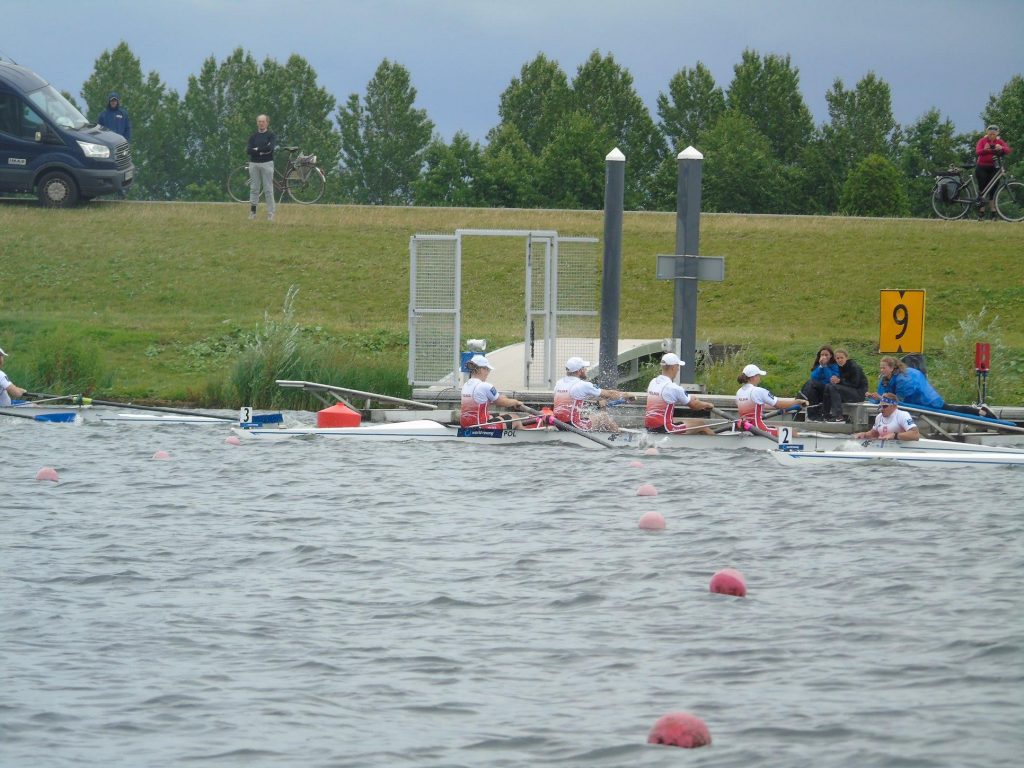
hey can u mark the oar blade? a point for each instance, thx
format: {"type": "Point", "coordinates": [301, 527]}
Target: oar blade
{"type": "Point", "coordinates": [57, 418]}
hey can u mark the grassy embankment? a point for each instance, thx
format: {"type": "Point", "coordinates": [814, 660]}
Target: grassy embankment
{"type": "Point", "coordinates": [163, 296]}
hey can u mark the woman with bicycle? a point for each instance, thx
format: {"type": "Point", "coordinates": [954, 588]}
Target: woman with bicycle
{"type": "Point", "coordinates": [990, 149]}
{"type": "Point", "coordinates": [261, 166]}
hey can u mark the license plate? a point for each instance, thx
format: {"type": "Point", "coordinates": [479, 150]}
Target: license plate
{"type": "Point", "coordinates": [128, 174]}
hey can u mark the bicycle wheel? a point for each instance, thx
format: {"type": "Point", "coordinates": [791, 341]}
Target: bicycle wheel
{"type": "Point", "coordinates": [1010, 201]}
{"type": "Point", "coordinates": [238, 184]}
{"type": "Point", "coordinates": [305, 184]}
{"type": "Point", "coordinates": [955, 208]}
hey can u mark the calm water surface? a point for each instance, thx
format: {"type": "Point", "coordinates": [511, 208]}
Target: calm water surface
{"type": "Point", "coordinates": [311, 603]}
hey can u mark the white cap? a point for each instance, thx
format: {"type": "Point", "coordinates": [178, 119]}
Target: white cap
{"type": "Point", "coordinates": [671, 359]}
{"type": "Point", "coordinates": [752, 370]}
{"type": "Point", "coordinates": [481, 362]}
{"type": "Point", "coordinates": [2, 353]}
{"type": "Point", "coordinates": [574, 364]}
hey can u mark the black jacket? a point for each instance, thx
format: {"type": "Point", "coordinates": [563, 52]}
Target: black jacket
{"type": "Point", "coordinates": [261, 147]}
{"type": "Point", "coordinates": [852, 375]}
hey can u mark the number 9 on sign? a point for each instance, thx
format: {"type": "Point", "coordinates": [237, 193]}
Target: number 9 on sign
{"type": "Point", "coordinates": [901, 322]}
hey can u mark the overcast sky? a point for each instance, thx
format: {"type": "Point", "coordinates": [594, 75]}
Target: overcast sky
{"type": "Point", "coordinates": [461, 54]}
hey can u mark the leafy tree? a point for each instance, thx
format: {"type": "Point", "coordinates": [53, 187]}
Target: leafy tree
{"type": "Point", "coordinates": [452, 173]}
{"type": "Point", "coordinates": [874, 188]}
{"type": "Point", "coordinates": [571, 172]}
{"type": "Point", "coordinates": [1006, 109]}
{"type": "Point", "coordinates": [740, 172]}
{"type": "Point", "coordinates": [604, 92]}
{"type": "Point", "coordinates": [536, 101]}
{"type": "Point", "coordinates": [927, 145]}
{"type": "Point", "coordinates": [157, 149]}
{"type": "Point", "coordinates": [693, 103]}
{"type": "Point", "coordinates": [383, 139]}
{"type": "Point", "coordinates": [767, 90]}
{"type": "Point", "coordinates": [861, 121]}
{"type": "Point", "coordinates": [509, 171]}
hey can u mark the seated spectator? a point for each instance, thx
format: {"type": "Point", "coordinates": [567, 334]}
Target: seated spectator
{"type": "Point", "coordinates": [848, 387]}
{"type": "Point", "coordinates": [913, 388]}
{"type": "Point", "coordinates": [813, 391]}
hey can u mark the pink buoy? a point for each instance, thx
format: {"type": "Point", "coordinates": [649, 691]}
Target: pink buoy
{"type": "Point", "coordinates": [646, 490]}
{"type": "Point", "coordinates": [652, 521]}
{"type": "Point", "coordinates": [161, 455]}
{"type": "Point", "coordinates": [233, 440]}
{"type": "Point", "coordinates": [680, 729]}
{"type": "Point", "coordinates": [652, 451]}
{"type": "Point", "coordinates": [636, 464]}
{"type": "Point", "coordinates": [729, 581]}
{"type": "Point", "coordinates": [49, 474]}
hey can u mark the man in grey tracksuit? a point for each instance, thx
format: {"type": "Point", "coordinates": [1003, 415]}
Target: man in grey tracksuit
{"type": "Point", "coordinates": [261, 166]}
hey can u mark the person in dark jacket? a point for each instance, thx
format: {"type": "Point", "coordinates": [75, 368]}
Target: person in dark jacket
{"type": "Point", "coordinates": [848, 387]}
{"type": "Point", "coordinates": [261, 166]}
{"type": "Point", "coordinates": [114, 117]}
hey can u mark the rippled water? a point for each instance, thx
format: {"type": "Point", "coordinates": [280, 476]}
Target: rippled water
{"type": "Point", "coordinates": [310, 603]}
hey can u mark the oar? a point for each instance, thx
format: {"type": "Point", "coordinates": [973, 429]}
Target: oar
{"type": "Point", "coordinates": [559, 424]}
{"type": "Point", "coordinates": [60, 418]}
{"type": "Point", "coordinates": [47, 398]}
{"type": "Point", "coordinates": [729, 420]}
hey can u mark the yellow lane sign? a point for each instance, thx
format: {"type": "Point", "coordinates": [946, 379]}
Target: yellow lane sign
{"type": "Point", "coordinates": [901, 323]}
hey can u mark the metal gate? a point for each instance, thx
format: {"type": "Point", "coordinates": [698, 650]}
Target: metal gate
{"type": "Point", "coordinates": [560, 304]}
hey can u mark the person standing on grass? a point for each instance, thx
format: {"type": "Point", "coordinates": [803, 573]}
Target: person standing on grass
{"type": "Point", "coordinates": [8, 389]}
{"type": "Point", "coordinates": [115, 119]}
{"type": "Point", "coordinates": [989, 148]}
{"type": "Point", "coordinates": [261, 166]}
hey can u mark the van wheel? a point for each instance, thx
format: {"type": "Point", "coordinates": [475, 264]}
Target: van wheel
{"type": "Point", "coordinates": [57, 190]}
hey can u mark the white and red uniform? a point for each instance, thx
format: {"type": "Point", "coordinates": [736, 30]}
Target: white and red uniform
{"type": "Point", "coordinates": [477, 395]}
{"type": "Point", "coordinates": [898, 421]}
{"type": "Point", "coordinates": [5, 397]}
{"type": "Point", "coordinates": [750, 403]}
{"type": "Point", "coordinates": [662, 396]}
{"type": "Point", "coordinates": [571, 394]}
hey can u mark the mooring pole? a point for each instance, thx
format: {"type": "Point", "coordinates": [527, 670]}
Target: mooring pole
{"type": "Point", "coordinates": [611, 277]}
{"type": "Point", "coordinates": [684, 315]}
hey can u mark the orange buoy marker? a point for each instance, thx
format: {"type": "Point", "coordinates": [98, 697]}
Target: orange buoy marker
{"type": "Point", "coordinates": [652, 451]}
{"type": "Point", "coordinates": [636, 464]}
{"type": "Point", "coordinates": [233, 440]}
{"type": "Point", "coordinates": [680, 729]}
{"type": "Point", "coordinates": [49, 474]}
{"type": "Point", "coordinates": [652, 521]}
{"type": "Point", "coordinates": [646, 490]}
{"type": "Point", "coordinates": [729, 581]}
{"type": "Point", "coordinates": [162, 455]}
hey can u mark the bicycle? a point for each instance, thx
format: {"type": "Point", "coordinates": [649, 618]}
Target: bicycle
{"type": "Point", "coordinates": [953, 195]}
{"type": "Point", "coordinates": [302, 179]}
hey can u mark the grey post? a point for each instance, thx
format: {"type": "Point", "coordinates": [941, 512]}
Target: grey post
{"type": "Point", "coordinates": [684, 315]}
{"type": "Point", "coordinates": [611, 278]}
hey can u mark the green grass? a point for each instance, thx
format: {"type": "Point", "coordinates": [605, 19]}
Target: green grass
{"type": "Point", "coordinates": [170, 295]}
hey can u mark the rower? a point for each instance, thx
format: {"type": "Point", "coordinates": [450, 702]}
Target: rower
{"type": "Point", "coordinates": [8, 389]}
{"type": "Point", "coordinates": [477, 395]}
{"type": "Point", "coordinates": [572, 392]}
{"type": "Point", "coordinates": [663, 394]}
{"type": "Point", "coordinates": [891, 423]}
{"type": "Point", "coordinates": [751, 398]}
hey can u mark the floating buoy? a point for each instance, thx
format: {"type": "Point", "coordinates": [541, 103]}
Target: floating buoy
{"type": "Point", "coordinates": [49, 474]}
{"type": "Point", "coordinates": [652, 451]}
{"type": "Point", "coordinates": [162, 455]}
{"type": "Point", "coordinates": [652, 521]}
{"type": "Point", "coordinates": [680, 729]}
{"type": "Point", "coordinates": [636, 464]}
{"type": "Point", "coordinates": [646, 490]}
{"type": "Point", "coordinates": [729, 581]}
{"type": "Point", "coordinates": [233, 440]}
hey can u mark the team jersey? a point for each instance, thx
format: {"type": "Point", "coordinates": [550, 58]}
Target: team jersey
{"type": "Point", "coordinates": [571, 394]}
{"type": "Point", "coordinates": [896, 422]}
{"type": "Point", "coordinates": [477, 395]}
{"type": "Point", "coordinates": [662, 396]}
{"type": "Point", "coordinates": [750, 403]}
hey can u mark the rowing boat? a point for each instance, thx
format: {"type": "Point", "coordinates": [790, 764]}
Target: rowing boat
{"type": "Point", "coordinates": [434, 431]}
{"type": "Point", "coordinates": [919, 458]}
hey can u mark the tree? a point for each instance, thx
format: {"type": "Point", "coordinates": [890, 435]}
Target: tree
{"type": "Point", "coordinates": [157, 149]}
{"type": "Point", "coordinates": [740, 173]}
{"type": "Point", "coordinates": [508, 176]}
{"type": "Point", "coordinates": [768, 92]}
{"type": "Point", "coordinates": [1006, 109]}
{"type": "Point", "coordinates": [452, 173]}
{"type": "Point", "coordinates": [571, 172]}
{"type": "Point", "coordinates": [861, 121]}
{"type": "Point", "coordinates": [693, 103]}
{"type": "Point", "coordinates": [874, 188]}
{"type": "Point", "coordinates": [384, 139]}
{"type": "Point", "coordinates": [926, 146]}
{"type": "Point", "coordinates": [535, 102]}
{"type": "Point", "coordinates": [603, 92]}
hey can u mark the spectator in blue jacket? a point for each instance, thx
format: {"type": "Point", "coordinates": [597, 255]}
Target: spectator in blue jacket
{"type": "Point", "coordinates": [114, 117]}
{"type": "Point", "coordinates": [813, 391]}
{"type": "Point", "coordinates": [913, 388]}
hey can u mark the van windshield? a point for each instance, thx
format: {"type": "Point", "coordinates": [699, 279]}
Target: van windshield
{"type": "Point", "coordinates": [57, 108]}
